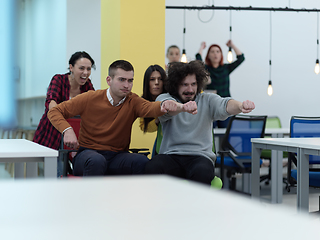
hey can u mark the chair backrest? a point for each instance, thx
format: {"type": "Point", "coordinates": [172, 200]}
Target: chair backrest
{"type": "Point", "coordinates": [273, 122]}
{"type": "Point", "coordinates": [301, 127]}
{"type": "Point", "coordinates": [240, 130]}
{"type": "Point", "coordinates": [157, 143]}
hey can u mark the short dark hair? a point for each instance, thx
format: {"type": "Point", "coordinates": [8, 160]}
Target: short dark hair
{"type": "Point", "coordinates": [146, 87]}
{"type": "Point", "coordinates": [77, 55]}
{"type": "Point", "coordinates": [123, 64]}
{"type": "Point", "coordinates": [178, 71]}
{"type": "Point", "coordinates": [172, 46]}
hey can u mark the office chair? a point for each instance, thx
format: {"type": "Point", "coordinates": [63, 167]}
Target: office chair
{"type": "Point", "coordinates": [65, 153]}
{"type": "Point", "coordinates": [301, 127]}
{"type": "Point", "coordinates": [235, 154]}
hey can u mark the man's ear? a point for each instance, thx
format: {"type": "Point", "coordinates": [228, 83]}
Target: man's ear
{"type": "Point", "coordinates": [108, 80]}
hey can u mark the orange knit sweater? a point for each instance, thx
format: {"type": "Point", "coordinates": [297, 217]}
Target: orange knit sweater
{"type": "Point", "coordinates": [103, 126]}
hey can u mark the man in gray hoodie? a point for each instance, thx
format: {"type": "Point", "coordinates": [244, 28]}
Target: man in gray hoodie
{"type": "Point", "coordinates": [186, 147]}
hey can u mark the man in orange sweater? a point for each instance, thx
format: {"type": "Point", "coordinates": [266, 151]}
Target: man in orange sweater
{"type": "Point", "coordinates": [106, 121]}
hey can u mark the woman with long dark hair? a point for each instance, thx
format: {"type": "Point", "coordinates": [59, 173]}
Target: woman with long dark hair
{"type": "Point", "coordinates": [153, 86]}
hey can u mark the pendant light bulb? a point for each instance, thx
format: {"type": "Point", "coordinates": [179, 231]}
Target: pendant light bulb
{"type": "Point", "coordinates": [317, 67]}
{"type": "Point", "coordinates": [184, 56]}
{"type": "Point", "coordinates": [270, 89]}
{"type": "Point", "coordinates": [230, 57]}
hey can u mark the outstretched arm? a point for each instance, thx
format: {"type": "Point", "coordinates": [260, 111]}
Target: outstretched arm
{"type": "Point", "coordinates": [234, 107]}
{"type": "Point", "coordinates": [236, 50]}
{"type": "Point", "coordinates": [202, 46]}
{"type": "Point", "coordinates": [174, 108]}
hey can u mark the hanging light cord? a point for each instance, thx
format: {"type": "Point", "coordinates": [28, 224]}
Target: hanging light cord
{"type": "Point", "coordinates": [184, 27]}
{"type": "Point", "coordinates": [211, 14]}
{"type": "Point", "coordinates": [270, 46]}
{"type": "Point", "coordinates": [317, 35]}
{"type": "Point", "coordinates": [230, 24]}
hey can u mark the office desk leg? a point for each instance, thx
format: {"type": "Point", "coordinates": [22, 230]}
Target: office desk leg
{"type": "Point", "coordinates": [276, 176]}
{"type": "Point", "coordinates": [50, 167]}
{"type": "Point", "coordinates": [19, 170]}
{"type": "Point", "coordinates": [31, 170]}
{"type": "Point", "coordinates": [303, 182]}
{"type": "Point", "coordinates": [255, 172]}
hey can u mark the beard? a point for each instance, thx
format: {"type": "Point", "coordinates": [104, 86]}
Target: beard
{"type": "Point", "coordinates": [187, 96]}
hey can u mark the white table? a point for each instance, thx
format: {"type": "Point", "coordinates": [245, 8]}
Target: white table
{"type": "Point", "coordinates": [142, 208]}
{"type": "Point", "coordinates": [303, 147]}
{"type": "Point", "coordinates": [21, 150]}
{"type": "Point", "coordinates": [273, 132]}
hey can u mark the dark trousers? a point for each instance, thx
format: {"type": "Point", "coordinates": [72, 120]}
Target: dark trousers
{"type": "Point", "coordinates": [196, 168]}
{"type": "Point", "coordinates": [90, 162]}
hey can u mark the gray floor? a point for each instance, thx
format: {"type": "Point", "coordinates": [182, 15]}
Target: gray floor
{"type": "Point", "coordinates": [289, 198]}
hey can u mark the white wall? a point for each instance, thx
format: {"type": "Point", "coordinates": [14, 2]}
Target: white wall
{"type": "Point", "coordinates": [294, 51]}
{"type": "Point", "coordinates": [50, 31]}
{"type": "Point", "coordinates": [42, 45]}
{"type": "Point", "coordinates": [84, 33]}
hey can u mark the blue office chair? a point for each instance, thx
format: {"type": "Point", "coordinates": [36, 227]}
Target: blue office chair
{"type": "Point", "coordinates": [236, 145]}
{"type": "Point", "coordinates": [301, 127]}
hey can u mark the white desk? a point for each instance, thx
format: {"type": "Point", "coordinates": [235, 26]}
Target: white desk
{"type": "Point", "coordinates": [142, 208]}
{"type": "Point", "coordinates": [21, 150]}
{"type": "Point", "coordinates": [303, 147]}
{"type": "Point", "coordinates": [273, 132]}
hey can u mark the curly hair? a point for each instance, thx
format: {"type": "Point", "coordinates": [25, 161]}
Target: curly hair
{"type": "Point", "coordinates": [178, 71]}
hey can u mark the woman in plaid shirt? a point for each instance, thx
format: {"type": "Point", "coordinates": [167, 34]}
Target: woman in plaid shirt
{"type": "Point", "coordinates": [62, 88]}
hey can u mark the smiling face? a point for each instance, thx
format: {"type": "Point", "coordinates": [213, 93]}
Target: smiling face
{"type": "Point", "coordinates": [81, 70]}
{"type": "Point", "coordinates": [188, 88]}
{"type": "Point", "coordinates": [215, 55]}
{"type": "Point", "coordinates": [173, 54]}
{"type": "Point", "coordinates": [121, 84]}
{"type": "Point", "coordinates": [155, 84]}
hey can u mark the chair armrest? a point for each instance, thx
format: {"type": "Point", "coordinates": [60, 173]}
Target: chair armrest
{"type": "Point", "coordinates": [144, 151]}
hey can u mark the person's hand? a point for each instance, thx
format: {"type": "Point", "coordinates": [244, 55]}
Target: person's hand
{"type": "Point", "coordinates": [70, 139]}
{"type": "Point", "coordinates": [203, 45]}
{"type": "Point", "coordinates": [190, 107]}
{"type": "Point", "coordinates": [169, 106]}
{"type": "Point", "coordinates": [247, 106]}
{"type": "Point", "coordinates": [229, 43]}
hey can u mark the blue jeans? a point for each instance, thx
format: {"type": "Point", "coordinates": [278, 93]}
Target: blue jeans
{"type": "Point", "coordinates": [90, 162]}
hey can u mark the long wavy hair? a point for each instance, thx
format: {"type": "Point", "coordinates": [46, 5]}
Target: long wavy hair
{"type": "Point", "coordinates": [146, 87]}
